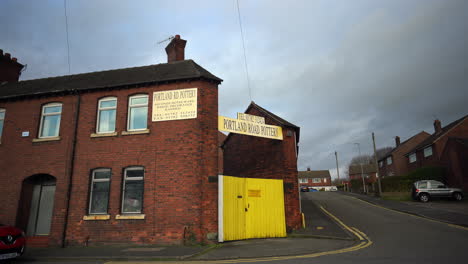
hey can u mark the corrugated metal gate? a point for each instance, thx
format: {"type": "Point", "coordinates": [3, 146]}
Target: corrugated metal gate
{"type": "Point", "coordinates": [250, 208]}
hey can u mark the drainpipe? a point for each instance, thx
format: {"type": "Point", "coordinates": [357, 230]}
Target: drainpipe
{"type": "Point", "coordinates": [72, 166]}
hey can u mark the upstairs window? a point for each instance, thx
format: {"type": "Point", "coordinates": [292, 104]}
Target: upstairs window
{"type": "Point", "coordinates": [99, 191]}
{"type": "Point", "coordinates": [380, 164]}
{"type": "Point", "coordinates": [107, 108]}
{"type": "Point", "coordinates": [389, 161]}
{"type": "Point", "coordinates": [132, 195]}
{"type": "Point", "coordinates": [428, 151]}
{"type": "Point", "coordinates": [316, 180]}
{"type": "Point", "coordinates": [50, 120]}
{"type": "Point", "coordinates": [2, 120]}
{"type": "Point", "coordinates": [412, 158]}
{"type": "Point", "coordinates": [303, 180]}
{"type": "Point", "coordinates": [137, 112]}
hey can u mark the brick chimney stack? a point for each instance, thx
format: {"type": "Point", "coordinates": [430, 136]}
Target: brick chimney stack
{"type": "Point", "coordinates": [397, 141]}
{"type": "Point", "coordinates": [176, 49]}
{"type": "Point", "coordinates": [308, 168]}
{"type": "Point", "coordinates": [10, 69]}
{"type": "Point", "coordinates": [437, 126]}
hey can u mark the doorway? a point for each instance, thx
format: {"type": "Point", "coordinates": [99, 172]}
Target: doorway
{"type": "Point", "coordinates": [37, 205]}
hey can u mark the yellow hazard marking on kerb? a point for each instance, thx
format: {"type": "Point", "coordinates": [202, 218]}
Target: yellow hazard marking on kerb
{"type": "Point", "coordinates": [416, 216]}
{"type": "Point", "coordinates": [363, 243]}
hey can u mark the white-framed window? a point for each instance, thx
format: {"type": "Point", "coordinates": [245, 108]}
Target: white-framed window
{"type": "Point", "coordinates": [412, 158]}
{"type": "Point", "coordinates": [389, 161]}
{"type": "Point", "coordinates": [50, 120]}
{"type": "Point", "coordinates": [2, 120]}
{"type": "Point", "coordinates": [99, 191]}
{"type": "Point", "coordinates": [428, 151]}
{"type": "Point", "coordinates": [316, 180]}
{"type": "Point", "coordinates": [107, 108]}
{"type": "Point", "coordinates": [325, 180]}
{"type": "Point", "coordinates": [380, 164]}
{"type": "Point", "coordinates": [132, 194]}
{"type": "Point", "coordinates": [137, 112]}
{"type": "Point", "coordinates": [303, 180]}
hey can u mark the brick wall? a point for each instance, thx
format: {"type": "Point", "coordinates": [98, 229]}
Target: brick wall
{"type": "Point", "coordinates": [178, 157]}
{"type": "Point", "coordinates": [255, 157]}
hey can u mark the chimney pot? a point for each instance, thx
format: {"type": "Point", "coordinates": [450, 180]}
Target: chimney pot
{"type": "Point", "coordinates": [308, 168]}
{"type": "Point", "coordinates": [14, 59]}
{"type": "Point", "coordinates": [1, 52]}
{"type": "Point", "coordinates": [397, 141]}
{"type": "Point", "coordinates": [176, 49]}
{"type": "Point", "coordinates": [7, 55]}
{"type": "Point", "coordinates": [437, 126]}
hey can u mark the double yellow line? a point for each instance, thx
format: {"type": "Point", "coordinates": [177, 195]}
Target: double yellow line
{"type": "Point", "coordinates": [364, 241]}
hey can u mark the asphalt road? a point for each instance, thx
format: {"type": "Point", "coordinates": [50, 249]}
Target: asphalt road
{"type": "Point", "coordinates": [396, 237]}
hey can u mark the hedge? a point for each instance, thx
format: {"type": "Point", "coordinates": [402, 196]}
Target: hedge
{"type": "Point", "coordinates": [404, 183]}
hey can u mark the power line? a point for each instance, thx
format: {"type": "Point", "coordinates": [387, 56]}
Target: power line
{"type": "Point", "coordinates": [66, 29]}
{"type": "Point", "coordinates": [243, 46]}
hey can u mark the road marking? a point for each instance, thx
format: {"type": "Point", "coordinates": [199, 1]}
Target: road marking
{"type": "Point", "coordinates": [417, 216]}
{"type": "Point", "coordinates": [364, 243]}
{"type": "Point", "coordinates": [341, 223]}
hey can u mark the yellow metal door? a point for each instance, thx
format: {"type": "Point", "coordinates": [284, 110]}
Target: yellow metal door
{"type": "Point", "coordinates": [265, 208]}
{"type": "Point", "coordinates": [234, 208]}
{"type": "Point", "coordinates": [252, 208]}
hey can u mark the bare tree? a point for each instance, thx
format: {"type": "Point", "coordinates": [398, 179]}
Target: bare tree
{"type": "Point", "coordinates": [381, 152]}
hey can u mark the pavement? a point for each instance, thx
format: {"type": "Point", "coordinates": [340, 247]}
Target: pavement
{"type": "Point", "coordinates": [451, 212]}
{"type": "Point", "coordinates": [321, 234]}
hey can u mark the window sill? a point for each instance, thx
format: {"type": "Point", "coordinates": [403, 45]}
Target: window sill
{"type": "Point", "coordinates": [96, 217]}
{"type": "Point", "coordinates": [137, 132]}
{"type": "Point", "coordinates": [130, 217]}
{"type": "Point", "coordinates": [95, 135]}
{"type": "Point", "coordinates": [45, 139]}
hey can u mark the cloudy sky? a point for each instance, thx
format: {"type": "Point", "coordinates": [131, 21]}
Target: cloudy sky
{"type": "Point", "coordinates": [338, 69]}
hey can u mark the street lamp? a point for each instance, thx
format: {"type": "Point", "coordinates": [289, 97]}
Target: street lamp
{"type": "Point", "coordinates": [362, 172]}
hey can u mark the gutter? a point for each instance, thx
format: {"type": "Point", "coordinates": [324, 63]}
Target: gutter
{"type": "Point", "coordinates": [71, 168]}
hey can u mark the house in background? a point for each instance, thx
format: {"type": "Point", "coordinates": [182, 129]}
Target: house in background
{"type": "Point", "coordinates": [368, 171]}
{"type": "Point", "coordinates": [314, 178]}
{"type": "Point", "coordinates": [428, 153]}
{"type": "Point", "coordinates": [395, 163]}
{"type": "Point", "coordinates": [455, 158]}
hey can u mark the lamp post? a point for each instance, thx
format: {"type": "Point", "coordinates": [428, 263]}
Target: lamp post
{"type": "Point", "coordinates": [362, 172]}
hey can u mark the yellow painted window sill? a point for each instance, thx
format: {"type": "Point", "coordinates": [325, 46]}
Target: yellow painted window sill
{"type": "Point", "coordinates": [95, 135]}
{"type": "Point", "coordinates": [130, 217]}
{"type": "Point", "coordinates": [96, 217]}
{"type": "Point", "coordinates": [45, 139]}
{"type": "Point", "coordinates": [137, 132]}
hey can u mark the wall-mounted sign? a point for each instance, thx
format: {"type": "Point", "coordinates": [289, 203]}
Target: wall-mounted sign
{"type": "Point", "coordinates": [251, 118]}
{"type": "Point", "coordinates": [254, 193]}
{"type": "Point", "coordinates": [249, 128]}
{"type": "Point", "coordinates": [25, 134]}
{"type": "Point", "coordinates": [175, 105]}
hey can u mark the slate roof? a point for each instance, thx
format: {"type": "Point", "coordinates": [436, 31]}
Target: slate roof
{"type": "Point", "coordinates": [314, 174]}
{"type": "Point", "coordinates": [366, 168]}
{"type": "Point", "coordinates": [401, 144]}
{"type": "Point", "coordinates": [432, 138]}
{"type": "Point", "coordinates": [158, 73]}
{"type": "Point", "coordinates": [271, 115]}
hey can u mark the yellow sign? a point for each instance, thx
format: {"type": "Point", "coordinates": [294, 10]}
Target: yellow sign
{"type": "Point", "coordinates": [175, 105]}
{"type": "Point", "coordinates": [249, 128]}
{"type": "Point", "coordinates": [255, 193]}
{"type": "Point", "coordinates": [251, 118]}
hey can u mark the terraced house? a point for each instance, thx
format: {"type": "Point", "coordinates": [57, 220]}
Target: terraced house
{"type": "Point", "coordinates": [85, 158]}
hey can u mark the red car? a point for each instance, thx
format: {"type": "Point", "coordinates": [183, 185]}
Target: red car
{"type": "Point", "coordinates": [12, 242]}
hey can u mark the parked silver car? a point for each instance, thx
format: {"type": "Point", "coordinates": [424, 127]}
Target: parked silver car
{"type": "Point", "coordinates": [427, 189]}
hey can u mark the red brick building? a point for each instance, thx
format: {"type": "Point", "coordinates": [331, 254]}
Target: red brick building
{"type": "Point", "coordinates": [455, 157]}
{"type": "Point", "coordinates": [368, 171]}
{"type": "Point", "coordinates": [395, 163]}
{"type": "Point", "coordinates": [312, 178]}
{"type": "Point", "coordinates": [429, 152]}
{"type": "Point", "coordinates": [82, 162]}
{"type": "Point", "coordinates": [256, 157]}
